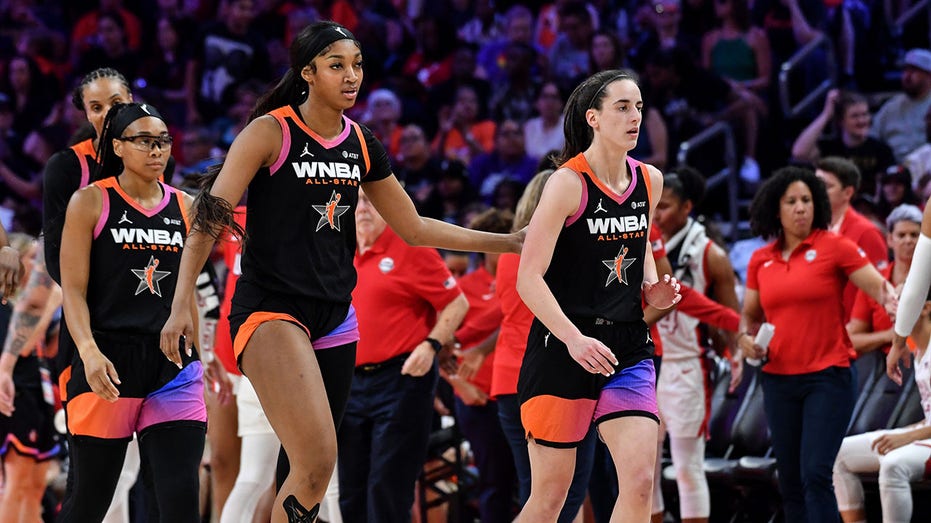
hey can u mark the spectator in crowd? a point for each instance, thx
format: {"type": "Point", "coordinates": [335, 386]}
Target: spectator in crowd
{"type": "Point", "coordinates": [568, 58]}
{"type": "Point", "coordinates": [382, 441]}
{"type": "Point", "coordinates": [382, 116]}
{"type": "Point", "coordinates": [653, 142]}
{"type": "Point", "coordinates": [671, 77]}
{"type": "Point", "coordinates": [849, 113]}
{"type": "Point", "coordinates": [464, 72]}
{"type": "Point", "coordinates": [507, 161]}
{"type": "Point", "coordinates": [197, 146]}
{"type": "Point", "coordinates": [900, 121]}
{"type": "Point", "coordinates": [918, 161]}
{"type": "Point", "coordinates": [736, 50]}
{"type": "Point", "coordinates": [895, 188]}
{"type": "Point", "coordinates": [86, 29]}
{"type": "Point", "coordinates": [486, 25]}
{"type": "Point", "coordinates": [27, 88]}
{"type": "Point", "coordinates": [870, 327]}
{"type": "Point", "coordinates": [226, 53]}
{"type": "Point", "coordinates": [463, 134]}
{"type": "Point", "coordinates": [840, 179]}
{"type": "Point", "coordinates": [431, 62]}
{"type": "Point", "coordinates": [164, 68]}
{"type": "Point", "coordinates": [514, 98]}
{"type": "Point", "coordinates": [492, 57]}
{"type": "Point", "coordinates": [238, 103]}
{"type": "Point", "coordinates": [451, 194]}
{"type": "Point", "coordinates": [663, 19]}
{"type": "Point", "coordinates": [417, 167]}
{"type": "Point", "coordinates": [795, 283]}
{"type": "Point", "coordinates": [544, 133]}
{"type": "Point", "coordinates": [605, 51]}
{"type": "Point", "coordinates": [110, 48]}
{"type": "Point", "coordinates": [22, 184]}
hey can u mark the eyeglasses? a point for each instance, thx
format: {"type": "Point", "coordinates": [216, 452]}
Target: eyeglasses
{"type": "Point", "coordinates": [147, 142]}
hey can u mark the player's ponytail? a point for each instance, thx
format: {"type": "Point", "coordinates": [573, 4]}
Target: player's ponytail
{"type": "Point", "coordinates": [213, 215]}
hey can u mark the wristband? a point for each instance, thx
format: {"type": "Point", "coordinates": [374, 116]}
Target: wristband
{"type": "Point", "coordinates": [435, 343]}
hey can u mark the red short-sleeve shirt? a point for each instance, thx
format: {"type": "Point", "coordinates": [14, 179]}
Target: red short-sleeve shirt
{"type": "Point", "coordinates": [400, 289]}
{"type": "Point", "coordinates": [802, 297]}
{"type": "Point", "coordinates": [863, 233]}
{"type": "Point", "coordinates": [873, 314]}
{"type": "Point", "coordinates": [515, 326]}
{"type": "Point", "coordinates": [483, 318]}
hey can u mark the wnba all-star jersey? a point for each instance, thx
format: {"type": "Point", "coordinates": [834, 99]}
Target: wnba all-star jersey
{"type": "Point", "coordinates": [300, 218]}
{"type": "Point", "coordinates": [135, 256]}
{"type": "Point", "coordinates": [597, 265]}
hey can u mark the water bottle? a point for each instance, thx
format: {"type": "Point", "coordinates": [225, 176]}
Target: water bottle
{"type": "Point", "coordinates": [763, 337]}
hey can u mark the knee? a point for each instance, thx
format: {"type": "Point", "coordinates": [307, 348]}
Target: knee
{"type": "Point", "coordinates": [894, 474]}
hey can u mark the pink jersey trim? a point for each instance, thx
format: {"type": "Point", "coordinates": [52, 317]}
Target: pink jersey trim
{"type": "Point", "coordinates": [583, 201]}
{"type": "Point", "coordinates": [104, 212]}
{"type": "Point", "coordinates": [285, 144]}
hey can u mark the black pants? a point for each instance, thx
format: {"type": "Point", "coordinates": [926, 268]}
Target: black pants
{"type": "Point", "coordinates": [172, 451]}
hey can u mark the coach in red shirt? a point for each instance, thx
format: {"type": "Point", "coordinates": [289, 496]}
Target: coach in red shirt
{"type": "Point", "coordinates": [408, 306]}
{"type": "Point", "coordinates": [796, 283]}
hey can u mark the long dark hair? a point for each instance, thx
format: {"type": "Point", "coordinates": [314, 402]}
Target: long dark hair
{"type": "Point", "coordinates": [588, 95]}
{"type": "Point", "coordinates": [764, 211]}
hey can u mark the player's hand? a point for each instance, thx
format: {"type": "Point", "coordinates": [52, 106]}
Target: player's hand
{"type": "Point", "coordinates": [11, 270]}
{"type": "Point", "coordinates": [662, 294]}
{"type": "Point", "coordinates": [100, 374]}
{"type": "Point", "coordinates": [888, 442]}
{"type": "Point", "coordinates": [471, 361]}
{"type": "Point", "coordinates": [7, 394]}
{"type": "Point", "coordinates": [178, 329]}
{"type": "Point", "coordinates": [218, 381]}
{"type": "Point", "coordinates": [592, 355]}
{"type": "Point", "coordinates": [898, 352]}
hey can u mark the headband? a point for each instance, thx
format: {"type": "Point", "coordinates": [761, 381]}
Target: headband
{"type": "Point", "coordinates": [129, 114]}
{"type": "Point", "coordinates": [619, 76]}
{"type": "Point", "coordinates": [324, 38]}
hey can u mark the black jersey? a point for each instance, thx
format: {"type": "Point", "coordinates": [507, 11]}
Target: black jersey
{"type": "Point", "coordinates": [300, 217]}
{"type": "Point", "coordinates": [597, 265]}
{"type": "Point", "coordinates": [67, 171]}
{"type": "Point", "coordinates": [134, 260]}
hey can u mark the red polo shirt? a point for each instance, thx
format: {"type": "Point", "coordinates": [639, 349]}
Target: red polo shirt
{"type": "Point", "coordinates": [515, 326]}
{"type": "Point", "coordinates": [400, 289]}
{"type": "Point", "coordinates": [801, 296]}
{"type": "Point", "coordinates": [483, 318]}
{"type": "Point", "coordinates": [873, 314]}
{"type": "Point", "coordinates": [863, 233]}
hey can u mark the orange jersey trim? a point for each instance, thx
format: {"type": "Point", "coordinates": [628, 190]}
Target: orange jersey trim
{"type": "Point", "coordinates": [253, 322]}
{"type": "Point", "coordinates": [365, 148]}
{"type": "Point", "coordinates": [184, 212]}
{"type": "Point", "coordinates": [63, 380]}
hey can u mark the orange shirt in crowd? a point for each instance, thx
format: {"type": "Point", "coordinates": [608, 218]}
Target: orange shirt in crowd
{"type": "Point", "coordinates": [455, 147]}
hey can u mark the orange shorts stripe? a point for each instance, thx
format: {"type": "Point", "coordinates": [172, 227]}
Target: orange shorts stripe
{"type": "Point", "coordinates": [253, 321]}
{"type": "Point", "coordinates": [91, 415]}
{"type": "Point", "coordinates": [63, 380]}
{"type": "Point", "coordinates": [557, 420]}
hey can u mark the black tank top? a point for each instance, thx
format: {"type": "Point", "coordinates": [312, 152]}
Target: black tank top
{"type": "Point", "coordinates": [301, 231]}
{"type": "Point", "coordinates": [597, 264]}
{"type": "Point", "coordinates": [134, 260]}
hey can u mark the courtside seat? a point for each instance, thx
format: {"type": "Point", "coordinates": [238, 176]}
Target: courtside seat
{"type": "Point", "coordinates": [881, 402]}
{"type": "Point", "coordinates": [870, 366]}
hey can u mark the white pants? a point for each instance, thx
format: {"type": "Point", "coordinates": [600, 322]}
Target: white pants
{"type": "Point", "coordinates": [897, 470]}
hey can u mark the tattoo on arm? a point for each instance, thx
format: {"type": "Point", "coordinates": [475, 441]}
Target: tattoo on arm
{"type": "Point", "coordinates": [21, 329]}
